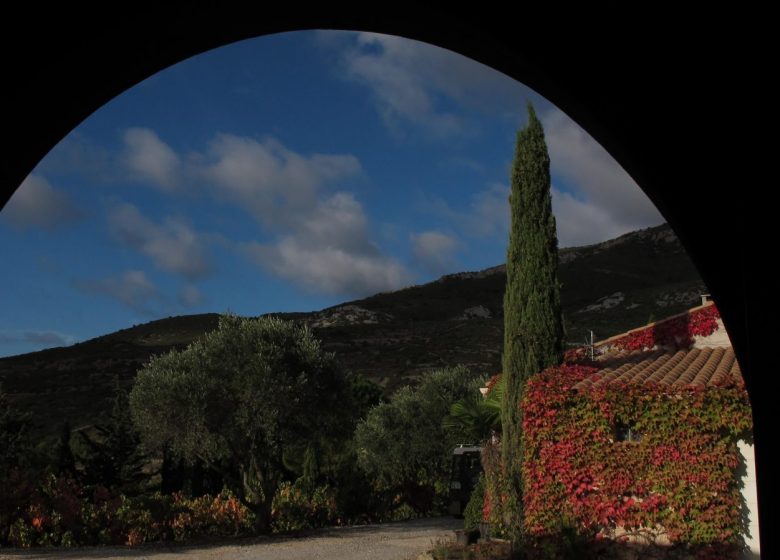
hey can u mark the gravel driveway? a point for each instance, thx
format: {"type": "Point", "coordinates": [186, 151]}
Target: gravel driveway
{"type": "Point", "coordinates": [389, 541]}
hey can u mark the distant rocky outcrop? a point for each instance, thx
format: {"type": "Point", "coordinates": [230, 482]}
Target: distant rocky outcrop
{"type": "Point", "coordinates": [347, 315]}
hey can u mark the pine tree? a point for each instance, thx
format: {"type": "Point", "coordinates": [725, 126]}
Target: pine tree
{"type": "Point", "coordinates": [114, 456]}
{"type": "Point", "coordinates": [15, 446]}
{"type": "Point", "coordinates": [533, 328]}
{"type": "Point", "coordinates": [66, 463]}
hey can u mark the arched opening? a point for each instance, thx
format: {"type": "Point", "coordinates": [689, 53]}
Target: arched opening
{"type": "Point", "coordinates": [630, 125]}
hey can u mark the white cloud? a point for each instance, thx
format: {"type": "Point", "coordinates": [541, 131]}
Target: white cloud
{"type": "Point", "coordinates": [190, 296]}
{"type": "Point", "coordinates": [173, 246]}
{"type": "Point", "coordinates": [434, 251]}
{"type": "Point", "coordinates": [337, 221]}
{"type": "Point", "coordinates": [318, 239]}
{"type": "Point", "coordinates": [413, 82]}
{"type": "Point", "coordinates": [601, 200]}
{"type": "Point", "coordinates": [582, 223]}
{"type": "Point", "coordinates": [132, 288]}
{"type": "Point", "coordinates": [490, 213]}
{"type": "Point", "coordinates": [150, 159]}
{"type": "Point", "coordinates": [271, 181]}
{"type": "Point", "coordinates": [601, 186]}
{"type": "Point", "coordinates": [39, 338]}
{"type": "Point", "coordinates": [330, 270]}
{"type": "Point", "coordinates": [322, 241]}
{"type": "Point", "coordinates": [37, 204]}
{"type": "Point", "coordinates": [329, 251]}
{"type": "Point", "coordinates": [579, 221]}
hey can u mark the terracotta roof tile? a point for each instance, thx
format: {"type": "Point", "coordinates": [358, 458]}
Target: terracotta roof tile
{"type": "Point", "coordinates": [697, 367]}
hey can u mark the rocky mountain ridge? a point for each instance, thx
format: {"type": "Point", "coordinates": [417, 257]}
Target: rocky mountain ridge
{"type": "Point", "coordinates": [392, 338]}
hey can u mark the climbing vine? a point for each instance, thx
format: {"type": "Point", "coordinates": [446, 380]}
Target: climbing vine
{"type": "Point", "coordinates": [677, 332]}
{"type": "Point", "coordinates": [676, 484]}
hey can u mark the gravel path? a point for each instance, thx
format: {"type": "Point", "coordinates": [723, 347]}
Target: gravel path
{"type": "Point", "coordinates": [389, 541]}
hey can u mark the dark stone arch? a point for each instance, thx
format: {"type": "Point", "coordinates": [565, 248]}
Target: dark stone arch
{"type": "Point", "coordinates": [653, 90]}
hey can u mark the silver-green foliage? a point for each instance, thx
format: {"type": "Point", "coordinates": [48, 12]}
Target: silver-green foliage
{"type": "Point", "coordinates": [403, 442]}
{"type": "Point", "coordinates": [238, 397]}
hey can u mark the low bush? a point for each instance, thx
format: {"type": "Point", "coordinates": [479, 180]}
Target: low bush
{"type": "Point", "coordinates": [222, 516]}
{"type": "Point", "coordinates": [62, 512]}
{"type": "Point", "coordinates": [299, 506]}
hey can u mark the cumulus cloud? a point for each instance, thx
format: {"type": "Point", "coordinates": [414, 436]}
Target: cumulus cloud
{"type": "Point", "coordinates": [271, 181]}
{"type": "Point", "coordinates": [322, 240]}
{"type": "Point", "coordinates": [319, 240]}
{"type": "Point", "coordinates": [37, 204]}
{"type": "Point", "coordinates": [38, 338]}
{"type": "Point", "coordinates": [190, 296]}
{"type": "Point", "coordinates": [173, 246]}
{"type": "Point", "coordinates": [413, 82]}
{"type": "Point", "coordinates": [329, 251]}
{"type": "Point", "coordinates": [582, 223]}
{"type": "Point", "coordinates": [337, 221]}
{"type": "Point", "coordinates": [330, 269]}
{"type": "Point", "coordinates": [434, 251]}
{"type": "Point", "coordinates": [490, 213]}
{"type": "Point", "coordinates": [150, 159]}
{"type": "Point", "coordinates": [579, 219]}
{"type": "Point", "coordinates": [132, 289]}
{"type": "Point", "coordinates": [602, 189]}
{"type": "Point", "coordinates": [600, 200]}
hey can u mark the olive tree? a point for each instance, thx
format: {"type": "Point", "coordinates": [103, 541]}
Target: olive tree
{"type": "Point", "coordinates": [237, 398]}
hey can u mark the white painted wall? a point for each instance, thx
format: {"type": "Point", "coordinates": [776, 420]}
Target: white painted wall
{"type": "Point", "coordinates": [718, 339]}
{"type": "Point", "coordinates": [750, 495]}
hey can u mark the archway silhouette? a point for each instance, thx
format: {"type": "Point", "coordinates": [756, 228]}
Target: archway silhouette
{"type": "Point", "coordinates": [649, 97]}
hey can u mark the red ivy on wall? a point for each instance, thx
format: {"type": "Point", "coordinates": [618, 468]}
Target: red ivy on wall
{"type": "Point", "coordinates": [679, 479]}
{"type": "Point", "coordinates": [678, 332]}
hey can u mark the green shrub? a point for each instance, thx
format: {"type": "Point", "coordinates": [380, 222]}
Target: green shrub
{"type": "Point", "coordinates": [300, 506]}
{"type": "Point", "coordinates": [222, 516]}
{"type": "Point", "coordinates": [146, 518]}
{"type": "Point", "coordinates": [22, 534]}
{"type": "Point", "coordinates": [52, 516]}
{"type": "Point", "coordinates": [402, 445]}
{"type": "Point", "coordinates": [62, 513]}
{"type": "Point", "coordinates": [403, 512]}
{"type": "Point", "coordinates": [472, 514]}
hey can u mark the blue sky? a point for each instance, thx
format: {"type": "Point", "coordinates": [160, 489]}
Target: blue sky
{"type": "Point", "coordinates": [286, 173]}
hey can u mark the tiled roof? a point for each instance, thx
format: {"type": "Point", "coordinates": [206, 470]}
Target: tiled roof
{"type": "Point", "coordinates": [697, 367]}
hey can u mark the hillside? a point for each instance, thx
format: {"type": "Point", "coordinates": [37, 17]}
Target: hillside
{"type": "Point", "coordinates": [392, 338]}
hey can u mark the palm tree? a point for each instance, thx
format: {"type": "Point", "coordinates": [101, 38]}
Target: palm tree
{"type": "Point", "coordinates": [478, 417]}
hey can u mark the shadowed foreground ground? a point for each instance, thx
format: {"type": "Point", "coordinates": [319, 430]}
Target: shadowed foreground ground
{"type": "Point", "coordinates": [390, 541]}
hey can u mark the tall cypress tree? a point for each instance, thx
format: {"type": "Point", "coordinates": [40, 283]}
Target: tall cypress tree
{"type": "Point", "coordinates": [533, 328]}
